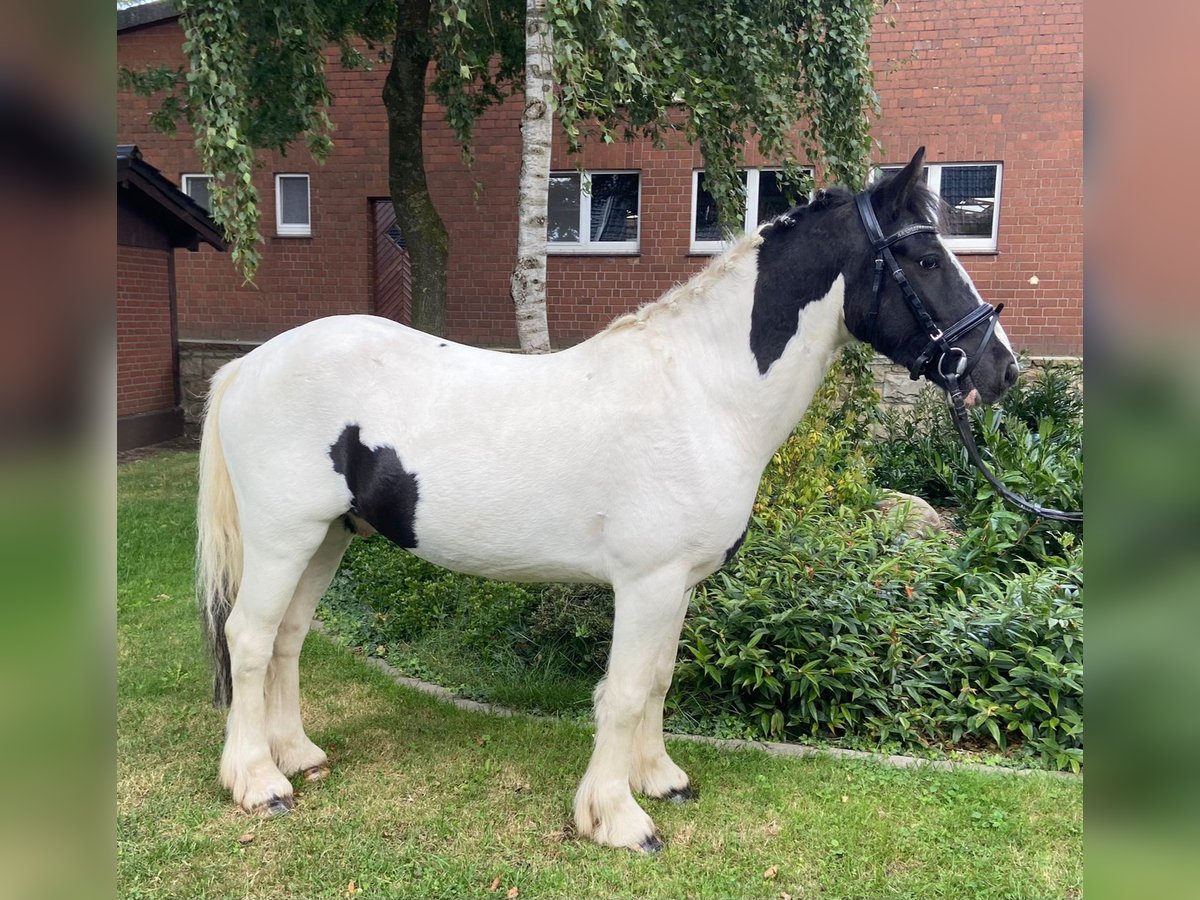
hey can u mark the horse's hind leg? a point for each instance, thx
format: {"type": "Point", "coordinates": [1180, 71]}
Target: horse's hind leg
{"type": "Point", "coordinates": [272, 569]}
{"type": "Point", "coordinates": [290, 747]}
{"type": "Point", "coordinates": [647, 614]}
{"type": "Point", "coordinates": [654, 772]}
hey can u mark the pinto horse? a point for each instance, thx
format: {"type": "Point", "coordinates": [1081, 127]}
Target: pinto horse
{"type": "Point", "coordinates": [632, 459]}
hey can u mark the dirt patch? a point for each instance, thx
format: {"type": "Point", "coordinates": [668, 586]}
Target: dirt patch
{"type": "Point", "coordinates": [184, 442]}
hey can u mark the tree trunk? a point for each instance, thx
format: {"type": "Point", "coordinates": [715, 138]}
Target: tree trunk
{"type": "Point", "coordinates": [529, 275]}
{"type": "Point", "coordinates": [422, 227]}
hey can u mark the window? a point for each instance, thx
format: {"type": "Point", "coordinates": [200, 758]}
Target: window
{"type": "Point", "coordinates": [596, 212]}
{"type": "Point", "coordinates": [765, 199]}
{"type": "Point", "coordinates": [198, 188]}
{"type": "Point", "coordinates": [291, 206]}
{"type": "Point", "coordinates": [971, 193]}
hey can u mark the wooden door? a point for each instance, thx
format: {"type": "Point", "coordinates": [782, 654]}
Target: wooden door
{"type": "Point", "coordinates": [392, 288]}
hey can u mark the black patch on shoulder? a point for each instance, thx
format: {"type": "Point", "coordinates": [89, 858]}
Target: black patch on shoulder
{"type": "Point", "coordinates": [443, 344]}
{"type": "Point", "coordinates": [797, 263]}
{"type": "Point", "coordinates": [732, 551]}
{"type": "Point", "coordinates": [384, 494]}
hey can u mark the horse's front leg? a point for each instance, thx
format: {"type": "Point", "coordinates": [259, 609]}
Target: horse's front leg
{"type": "Point", "coordinates": [654, 772]}
{"type": "Point", "coordinates": [647, 613]}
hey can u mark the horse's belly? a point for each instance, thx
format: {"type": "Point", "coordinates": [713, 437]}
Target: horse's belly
{"type": "Point", "coordinates": [511, 537]}
{"type": "Point", "coordinates": [526, 528]}
{"type": "Point", "coordinates": [508, 569]}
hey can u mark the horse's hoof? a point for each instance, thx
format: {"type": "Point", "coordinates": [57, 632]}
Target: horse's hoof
{"type": "Point", "coordinates": [651, 845]}
{"type": "Point", "coordinates": [315, 773]}
{"type": "Point", "coordinates": [276, 806]}
{"type": "Point", "coordinates": [685, 794]}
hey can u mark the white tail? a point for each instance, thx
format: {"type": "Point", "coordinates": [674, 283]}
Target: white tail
{"type": "Point", "coordinates": [218, 537]}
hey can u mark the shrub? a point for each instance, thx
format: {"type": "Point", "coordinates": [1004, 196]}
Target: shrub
{"type": "Point", "coordinates": [396, 598]}
{"type": "Point", "coordinates": [1033, 442]}
{"type": "Point", "coordinates": [843, 625]}
{"type": "Point", "coordinates": [572, 621]}
{"type": "Point", "coordinates": [825, 459]}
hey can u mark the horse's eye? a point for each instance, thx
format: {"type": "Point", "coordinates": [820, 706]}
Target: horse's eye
{"type": "Point", "coordinates": [929, 262]}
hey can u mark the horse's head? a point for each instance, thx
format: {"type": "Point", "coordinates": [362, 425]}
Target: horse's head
{"type": "Point", "coordinates": [909, 297]}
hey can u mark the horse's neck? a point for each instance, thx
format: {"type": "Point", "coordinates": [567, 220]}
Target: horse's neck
{"type": "Point", "coordinates": [706, 331]}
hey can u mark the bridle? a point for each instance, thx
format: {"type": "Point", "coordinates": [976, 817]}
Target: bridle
{"type": "Point", "coordinates": [953, 363]}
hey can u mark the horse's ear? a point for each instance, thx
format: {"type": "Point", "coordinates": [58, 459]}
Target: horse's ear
{"type": "Point", "coordinates": [894, 193]}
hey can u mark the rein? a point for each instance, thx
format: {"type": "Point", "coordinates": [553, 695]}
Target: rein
{"type": "Point", "coordinates": [960, 363]}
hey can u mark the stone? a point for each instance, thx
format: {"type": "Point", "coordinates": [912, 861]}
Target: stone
{"type": "Point", "coordinates": [921, 518]}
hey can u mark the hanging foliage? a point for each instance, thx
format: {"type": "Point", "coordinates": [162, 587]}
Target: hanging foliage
{"type": "Point", "coordinates": [792, 76]}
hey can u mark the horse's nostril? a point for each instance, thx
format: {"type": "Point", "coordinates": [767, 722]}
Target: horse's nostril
{"type": "Point", "coordinates": [1011, 373]}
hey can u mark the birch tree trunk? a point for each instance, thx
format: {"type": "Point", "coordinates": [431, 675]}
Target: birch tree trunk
{"type": "Point", "coordinates": [529, 275]}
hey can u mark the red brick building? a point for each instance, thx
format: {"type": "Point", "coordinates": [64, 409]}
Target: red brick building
{"type": "Point", "coordinates": [153, 218]}
{"type": "Point", "coordinates": [994, 90]}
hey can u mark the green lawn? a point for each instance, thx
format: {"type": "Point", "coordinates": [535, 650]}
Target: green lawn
{"type": "Point", "coordinates": [429, 801]}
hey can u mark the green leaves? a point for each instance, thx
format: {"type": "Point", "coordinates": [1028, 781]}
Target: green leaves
{"type": "Point", "coordinates": [790, 77]}
{"type": "Point", "coordinates": [826, 651]}
{"type": "Point", "coordinates": [255, 79]}
{"type": "Point", "coordinates": [1033, 441]}
{"type": "Point", "coordinates": [825, 458]}
{"type": "Point", "coordinates": [721, 72]}
{"type": "Point", "coordinates": [832, 622]}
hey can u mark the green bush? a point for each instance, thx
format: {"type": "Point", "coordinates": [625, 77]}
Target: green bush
{"type": "Point", "coordinates": [1033, 441]}
{"type": "Point", "coordinates": [384, 596]}
{"type": "Point", "coordinates": [825, 459]}
{"type": "Point", "coordinates": [572, 622]}
{"type": "Point", "coordinates": [843, 625]}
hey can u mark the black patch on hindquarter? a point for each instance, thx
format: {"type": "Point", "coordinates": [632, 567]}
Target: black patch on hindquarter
{"type": "Point", "coordinates": [732, 551]}
{"type": "Point", "coordinates": [798, 261]}
{"type": "Point", "coordinates": [384, 494]}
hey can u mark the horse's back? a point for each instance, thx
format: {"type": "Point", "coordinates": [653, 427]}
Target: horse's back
{"type": "Point", "coordinates": [495, 448]}
{"type": "Point", "coordinates": [551, 467]}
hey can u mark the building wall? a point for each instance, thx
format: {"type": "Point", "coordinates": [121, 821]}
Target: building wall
{"type": "Point", "coordinates": [990, 82]}
{"type": "Point", "coordinates": [145, 364]}
{"type": "Point", "coordinates": [973, 81]}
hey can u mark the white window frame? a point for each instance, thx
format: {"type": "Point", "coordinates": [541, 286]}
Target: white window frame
{"type": "Point", "coordinates": [749, 225]}
{"type": "Point", "coordinates": [933, 180]}
{"type": "Point", "coordinates": [585, 246]}
{"type": "Point", "coordinates": [187, 177]}
{"type": "Point", "coordinates": [292, 229]}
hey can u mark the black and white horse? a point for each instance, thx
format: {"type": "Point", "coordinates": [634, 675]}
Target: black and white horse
{"type": "Point", "coordinates": [632, 459]}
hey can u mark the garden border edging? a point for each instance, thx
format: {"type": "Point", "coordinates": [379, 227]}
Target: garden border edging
{"type": "Point", "coordinates": [775, 748]}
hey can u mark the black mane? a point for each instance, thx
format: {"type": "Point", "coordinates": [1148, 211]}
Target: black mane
{"type": "Point", "coordinates": [922, 203]}
{"type": "Point", "coordinates": [794, 269]}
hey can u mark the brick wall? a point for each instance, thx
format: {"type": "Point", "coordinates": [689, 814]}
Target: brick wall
{"type": "Point", "coordinates": [145, 373]}
{"type": "Point", "coordinates": [990, 82]}
{"type": "Point", "coordinates": [973, 81]}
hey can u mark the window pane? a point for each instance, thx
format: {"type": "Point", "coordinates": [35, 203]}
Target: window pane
{"type": "Point", "coordinates": [293, 194]}
{"type": "Point", "coordinates": [970, 195]}
{"type": "Point", "coordinates": [197, 188]}
{"type": "Point", "coordinates": [615, 207]}
{"type": "Point", "coordinates": [562, 221]}
{"type": "Point", "coordinates": [772, 201]}
{"type": "Point", "coordinates": [707, 227]}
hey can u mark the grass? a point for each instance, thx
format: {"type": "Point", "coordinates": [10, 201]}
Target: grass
{"type": "Point", "coordinates": [429, 801]}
